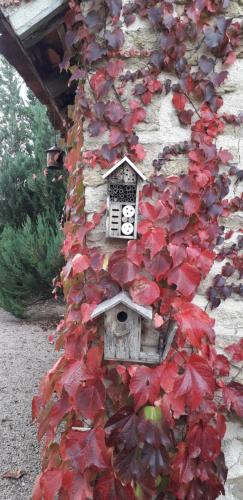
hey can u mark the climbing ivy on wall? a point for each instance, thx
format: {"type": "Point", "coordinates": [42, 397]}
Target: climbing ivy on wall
{"type": "Point", "coordinates": [131, 431]}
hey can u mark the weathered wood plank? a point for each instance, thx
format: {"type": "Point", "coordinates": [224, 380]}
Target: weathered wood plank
{"type": "Point", "coordinates": [122, 334]}
{"type": "Point", "coordinates": [28, 16]}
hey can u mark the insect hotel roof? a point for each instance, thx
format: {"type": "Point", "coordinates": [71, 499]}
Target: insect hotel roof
{"type": "Point", "coordinates": [120, 163]}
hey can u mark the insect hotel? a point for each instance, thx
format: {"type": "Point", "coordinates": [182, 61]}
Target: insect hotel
{"type": "Point", "coordinates": [122, 203]}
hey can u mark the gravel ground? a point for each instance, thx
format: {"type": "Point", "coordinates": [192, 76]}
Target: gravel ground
{"type": "Point", "coordinates": [25, 355]}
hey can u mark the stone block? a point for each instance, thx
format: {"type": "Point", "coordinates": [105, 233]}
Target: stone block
{"type": "Point", "coordinates": [95, 198]}
{"type": "Point", "coordinates": [235, 8]}
{"type": "Point", "coordinates": [234, 222]}
{"type": "Point", "coordinates": [93, 176]}
{"type": "Point", "coordinates": [231, 143]}
{"type": "Point", "coordinates": [216, 269]}
{"type": "Point", "coordinates": [171, 131]}
{"type": "Point", "coordinates": [228, 317]}
{"type": "Point", "coordinates": [234, 455]}
{"type": "Point", "coordinates": [139, 23]}
{"type": "Point", "coordinates": [237, 487]}
{"type": "Point", "coordinates": [234, 430]}
{"type": "Point", "coordinates": [141, 39]}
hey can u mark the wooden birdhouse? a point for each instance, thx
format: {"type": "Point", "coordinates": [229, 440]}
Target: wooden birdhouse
{"type": "Point", "coordinates": [122, 199]}
{"type": "Point", "coordinates": [128, 332]}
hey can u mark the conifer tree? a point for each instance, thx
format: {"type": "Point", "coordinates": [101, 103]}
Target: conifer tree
{"type": "Point", "coordinates": [31, 203]}
{"type": "Point", "coordinates": [15, 130]}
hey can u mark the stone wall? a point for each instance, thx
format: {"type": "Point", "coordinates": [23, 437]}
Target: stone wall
{"type": "Point", "coordinates": [160, 129]}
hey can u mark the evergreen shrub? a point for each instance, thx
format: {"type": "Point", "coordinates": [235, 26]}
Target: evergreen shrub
{"type": "Point", "coordinates": [29, 260]}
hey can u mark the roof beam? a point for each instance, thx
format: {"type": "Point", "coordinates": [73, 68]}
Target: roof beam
{"type": "Point", "coordinates": [27, 17]}
{"type": "Point", "coordinates": [12, 49]}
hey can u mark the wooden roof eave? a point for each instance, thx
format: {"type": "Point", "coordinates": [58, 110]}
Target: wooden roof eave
{"type": "Point", "coordinates": [12, 49]}
{"type": "Point", "coordinates": [119, 163]}
{"type": "Point", "coordinates": [122, 298]}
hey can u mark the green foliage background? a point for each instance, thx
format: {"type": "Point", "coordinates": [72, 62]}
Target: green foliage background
{"type": "Point", "coordinates": [31, 203]}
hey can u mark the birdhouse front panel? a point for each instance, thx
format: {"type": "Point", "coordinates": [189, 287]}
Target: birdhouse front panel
{"type": "Point", "coordinates": [122, 203]}
{"type": "Point", "coordinates": [122, 334]}
{"type": "Point", "coordinates": [128, 331]}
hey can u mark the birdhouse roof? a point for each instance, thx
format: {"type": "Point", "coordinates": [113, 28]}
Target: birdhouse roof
{"type": "Point", "coordinates": [125, 160]}
{"type": "Point", "coordinates": [122, 298]}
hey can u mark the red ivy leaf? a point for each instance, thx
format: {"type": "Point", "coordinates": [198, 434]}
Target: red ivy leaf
{"type": "Point", "coordinates": [123, 270]}
{"type": "Point", "coordinates": [99, 84]}
{"type": "Point", "coordinates": [205, 440]}
{"type": "Point", "coordinates": [114, 111]}
{"type": "Point", "coordinates": [77, 486]}
{"type": "Point", "coordinates": [133, 118]}
{"type": "Point", "coordinates": [191, 203]}
{"type": "Point", "coordinates": [203, 259]}
{"type": "Point", "coordinates": [179, 101]}
{"type": "Point", "coordinates": [146, 98]}
{"type": "Point", "coordinates": [93, 21]}
{"type": "Point", "coordinates": [114, 68]}
{"type": "Point", "coordinates": [90, 400]}
{"type": "Point", "coordinates": [186, 278]}
{"type": "Point", "coordinates": [185, 116]}
{"type": "Point", "coordinates": [184, 467]}
{"type": "Point", "coordinates": [171, 402]}
{"type": "Point", "coordinates": [236, 350]}
{"type": "Point", "coordinates": [158, 320]}
{"type": "Point", "coordinates": [94, 52]}
{"type": "Point", "coordinates": [225, 156]}
{"type": "Point", "coordinates": [154, 86]}
{"type": "Point", "coordinates": [154, 240]}
{"type": "Point", "coordinates": [230, 59]}
{"type": "Point", "coordinates": [195, 324]}
{"type": "Point", "coordinates": [74, 373]}
{"type": "Point", "coordinates": [196, 382]}
{"type": "Point", "coordinates": [139, 151]}
{"type": "Point", "coordinates": [233, 397]}
{"type": "Point", "coordinates": [115, 38]}
{"type": "Point", "coordinates": [116, 136]}
{"type": "Point", "coordinates": [80, 263]}
{"type": "Point", "coordinates": [54, 415]}
{"type": "Point", "coordinates": [144, 292]}
{"type": "Point", "coordinates": [145, 385]}
{"type": "Point", "coordinates": [135, 252]}
{"type": "Point", "coordinates": [48, 484]}
{"type": "Point", "coordinates": [114, 7]}
{"type": "Point", "coordinates": [148, 211]}
{"type": "Point", "coordinates": [220, 365]}
{"type": "Point", "coordinates": [168, 375]}
{"type": "Point", "coordinates": [122, 428]}
{"type": "Point", "coordinates": [109, 488]}
{"type": "Point", "coordinates": [86, 311]}
{"type": "Point", "coordinates": [206, 64]}
{"type": "Point", "coordinates": [177, 252]}
{"type": "Point", "coordinates": [159, 266]}
{"type": "Point", "coordinates": [85, 449]}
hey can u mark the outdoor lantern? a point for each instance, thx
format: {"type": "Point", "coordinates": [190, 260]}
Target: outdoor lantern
{"type": "Point", "coordinates": [123, 181]}
{"type": "Point", "coordinates": [54, 157]}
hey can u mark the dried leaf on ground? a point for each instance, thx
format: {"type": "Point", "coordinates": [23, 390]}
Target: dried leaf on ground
{"type": "Point", "coordinates": [14, 474]}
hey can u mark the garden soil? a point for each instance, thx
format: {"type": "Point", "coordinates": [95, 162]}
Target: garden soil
{"type": "Point", "coordinates": [25, 355]}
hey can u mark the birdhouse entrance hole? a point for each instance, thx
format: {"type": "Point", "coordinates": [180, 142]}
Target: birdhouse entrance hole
{"type": "Point", "coordinates": [122, 316]}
